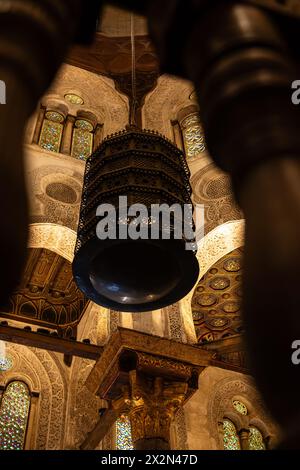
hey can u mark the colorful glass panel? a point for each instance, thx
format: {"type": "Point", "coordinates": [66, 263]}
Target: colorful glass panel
{"type": "Point", "coordinates": [124, 439]}
{"type": "Point", "coordinates": [193, 135]}
{"type": "Point", "coordinates": [74, 99]}
{"type": "Point", "coordinates": [230, 436]}
{"type": "Point", "coordinates": [82, 145]}
{"type": "Point", "coordinates": [52, 131]}
{"type": "Point", "coordinates": [240, 407]}
{"type": "Point", "coordinates": [256, 441]}
{"type": "Point", "coordinates": [14, 413]}
{"type": "Point", "coordinates": [6, 363]}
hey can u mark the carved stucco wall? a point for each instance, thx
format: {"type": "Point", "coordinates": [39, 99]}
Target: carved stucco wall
{"type": "Point", "coordinates": [83, 406]}
{"type": "Point", "coordinates": [98, 92]}
{"type": "Point", "coordinates": [44, 168]}
{"type": "Point", "coordinates": [212, 189]}
{"type": "Point", "coordinates": [62, 205]}
{"type": "Point", "coordinates": [77, 407]}
{"type": "Point", "coordinates": [53, 237]}
{"type": "Point", "coordinates": [212, 402]}
{"type": "Point", "coordinates": [164, 103]}
{"type": "Point", "coordinates": [44, 374]}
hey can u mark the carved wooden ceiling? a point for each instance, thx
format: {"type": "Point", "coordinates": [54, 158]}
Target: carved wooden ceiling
{"type": "Point", "coordinates": [116, 22]}
{"type": "Point", "coordinates": [111, 54]}
{"type": "Point", "coordinates": [47, 295]}
{"type": "Point", "coordinates": [112, 57]}
{"type": "Point", "coordinates": [217, 300]}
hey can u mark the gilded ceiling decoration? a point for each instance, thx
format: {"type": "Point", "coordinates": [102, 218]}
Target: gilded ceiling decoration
{"type": "Point", "coordinates": [217, 300]}
{"type": "Point", "coordinates": [47, 295]}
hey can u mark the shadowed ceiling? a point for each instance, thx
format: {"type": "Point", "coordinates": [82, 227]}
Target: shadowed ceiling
{"type": "Point", "coordinates": [111, 54]}
{"type": "Point", "coordinates": [116, 22]}
{"type": "Point", "coordinates": [47, 295]}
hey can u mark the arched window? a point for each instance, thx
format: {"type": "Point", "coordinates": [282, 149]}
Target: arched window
{"type": "Point", "coordinates": [74, 99]}
{"type": "Point", "coordinates": [52, 131]}
{"type": "Point", "coordinates": [230, 436]}
{"type": "Point", "coordinates": [193, 135]}
{"type": "Point", "coordinates": [6, 363]}
{"type": "Point", "coordinates": [124, 439]}
{"type": "Point", "coordinates": [256, 440]}
{"type": "Point", "coordinates": [14, 412]}
{"type": "Point", "coordinates": [83, 139]}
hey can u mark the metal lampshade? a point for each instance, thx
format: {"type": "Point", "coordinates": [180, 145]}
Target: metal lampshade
{"type": "Point", "coordinates": [134, 275]}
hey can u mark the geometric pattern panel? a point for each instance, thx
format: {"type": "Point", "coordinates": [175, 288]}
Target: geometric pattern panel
{"type": "Point", "coordinates": [216, 302]}
{"type": "Point", "coordinates": [212, 188]}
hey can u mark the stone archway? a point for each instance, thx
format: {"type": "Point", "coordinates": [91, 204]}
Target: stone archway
{"type": "Point", "coordinates": [45, 376]}
{"type": "Point", "coordinates": [53, 237]}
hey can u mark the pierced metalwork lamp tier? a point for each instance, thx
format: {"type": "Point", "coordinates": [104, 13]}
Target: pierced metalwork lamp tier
{"type": "Point", "coordinates": [143, 274]}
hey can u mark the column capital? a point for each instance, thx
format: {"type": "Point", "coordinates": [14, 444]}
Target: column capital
{"type": "Point", "coordinates": [151, 404]}
{"type": "Point", "coordinates": [148, 387]}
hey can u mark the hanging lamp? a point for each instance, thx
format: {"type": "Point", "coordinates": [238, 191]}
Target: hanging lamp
{"type": "Point", "coordinates": [135, 169]}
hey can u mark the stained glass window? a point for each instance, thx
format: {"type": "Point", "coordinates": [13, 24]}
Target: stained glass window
{"type": "Point", "coordinates": [193, 135]}
{"type": "Point", "coordinates": [83, 137]}
{"type": "Point", "coordinates": [240, 407]}
{"type": "Point", "coordinates": [14, 413]}
{"type": "Point", "coordinates": [256, 441]}
{"type": "Point", "coordinates": [6, 363]}
{"type": "Point", "coordinates": [230, 436]}
{"type": "Point", "coordinates": [52, 130]}
{"type": "Point", "coordinates": [124, 440]}
{"type": "Point", "coordinates": [74, 99]}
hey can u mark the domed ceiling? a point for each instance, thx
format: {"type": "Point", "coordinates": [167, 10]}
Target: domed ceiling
{"type": "Point", "coordinates": [216, 302]}
{"type": "Point", "coordinates": [47, 295]}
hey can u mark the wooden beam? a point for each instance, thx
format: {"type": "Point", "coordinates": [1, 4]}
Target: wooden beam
{"type": "Point", "coordinates": [103, 426]}
{"type": "Point", "coordinates": [224, 348]}
{"type": "Point", "coordinates": [50, 343]}
{"type": "Point", "coordinates": [230, 366]}
{"type": "Point", "coordinates": [226, 345]}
